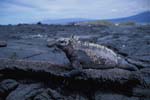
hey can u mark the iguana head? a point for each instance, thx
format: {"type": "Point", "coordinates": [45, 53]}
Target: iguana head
{"type": "Point", "coordinates": [57, 42]}
{"type": "Point", "coordinates": [66, 41]}
{"type": "Point", "coordinates": [61, 41]}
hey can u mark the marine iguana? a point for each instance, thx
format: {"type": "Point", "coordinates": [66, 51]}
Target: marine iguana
{"type": "Point", "coordinates": [88, 55]}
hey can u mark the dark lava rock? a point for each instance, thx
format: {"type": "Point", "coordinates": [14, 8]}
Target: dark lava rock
{"type": "Point", "coordinates": [141, 92]}
{"type": "Point", "coordinates": [145, 72]}
{"type": "Point", "coordinates": [130, 41]}
{"type": "Point", "coordinates": [48, 67]}
{"type": "Point", "coordinates": [34, 92]}
{"type": "Point", "coordinates": [25, 92]}
{"type": "Point", "coordinates": [3, 44]}
{"type": "Point", "coordinates": [104, 96]}
{"type": "Point", "coordinates": [49, 94]}
{"type": "Point", "coordinates": [7, 86]}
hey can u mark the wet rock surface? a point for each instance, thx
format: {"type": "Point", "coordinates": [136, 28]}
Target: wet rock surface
{"type": "Point", "coordinates": [34, 66]}
{"type": "Point", "coordinates": [34, 51]}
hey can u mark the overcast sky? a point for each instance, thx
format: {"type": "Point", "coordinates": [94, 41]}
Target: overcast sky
{"type": "Point", "coordinates": [24, 11]}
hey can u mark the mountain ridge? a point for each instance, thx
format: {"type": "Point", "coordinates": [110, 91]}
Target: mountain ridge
{"type": "Point", "coordinates": [143, 17]}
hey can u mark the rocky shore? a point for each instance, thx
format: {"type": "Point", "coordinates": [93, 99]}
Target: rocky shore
{"type": "Point", "coordinates": [44, 62]}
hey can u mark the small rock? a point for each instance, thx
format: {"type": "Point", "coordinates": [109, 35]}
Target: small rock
{"type": "Point", "coordinates": [3, 44]}
{"type": "Point", "coordinates": [51, 43]}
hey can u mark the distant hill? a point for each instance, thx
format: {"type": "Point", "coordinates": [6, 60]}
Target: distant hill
{"type": "Point", "coordinates": [65, 21]}
{"type": "Point", "coordinates": [139, 18]}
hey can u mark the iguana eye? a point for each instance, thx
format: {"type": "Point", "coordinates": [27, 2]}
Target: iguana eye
{"type": "Point", "coordinates": [62, 41]}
